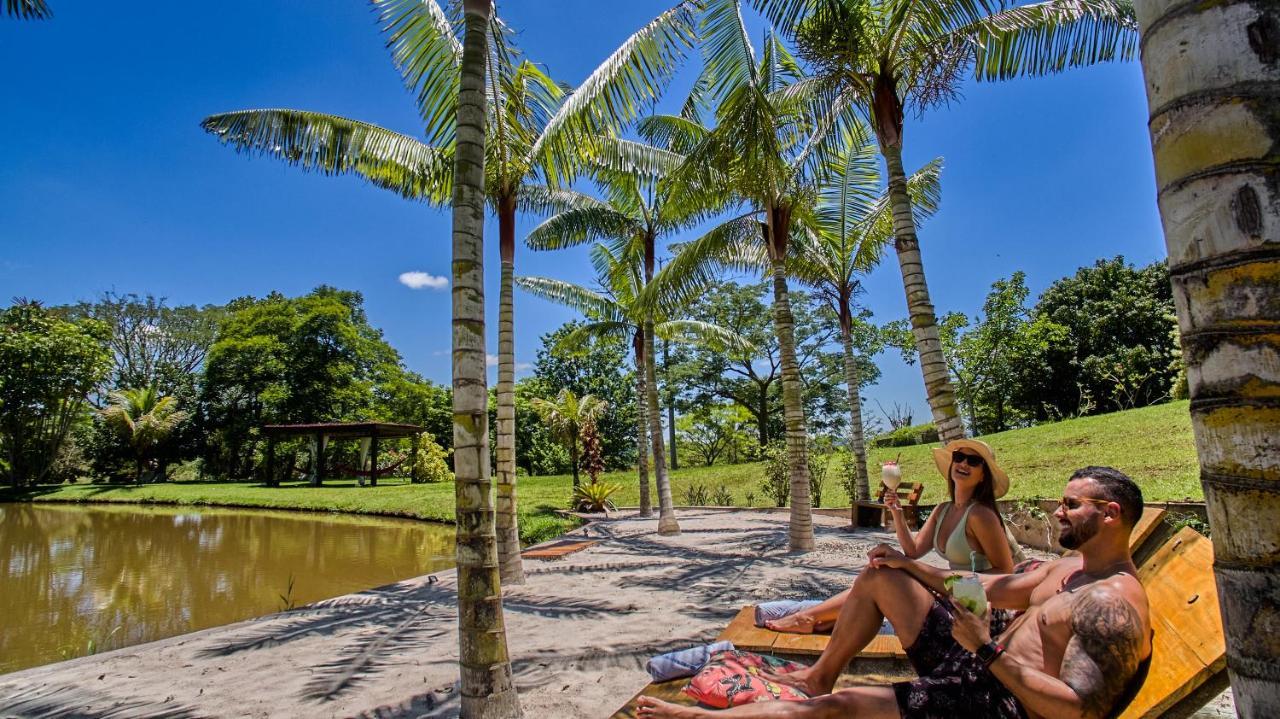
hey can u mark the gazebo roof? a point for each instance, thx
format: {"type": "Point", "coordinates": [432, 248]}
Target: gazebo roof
{"type": "Point", "coordinates": [344, 429]}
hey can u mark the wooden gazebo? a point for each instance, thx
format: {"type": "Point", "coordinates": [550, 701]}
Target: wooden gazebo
{"type": "Point", "coordinates": [322, 432]}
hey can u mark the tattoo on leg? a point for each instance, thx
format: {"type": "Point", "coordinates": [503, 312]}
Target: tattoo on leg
{"type": "Point", "coordinates": [1104, 653]}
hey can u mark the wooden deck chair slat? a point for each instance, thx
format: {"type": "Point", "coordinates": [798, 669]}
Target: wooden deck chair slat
{"type": "Point", "coordinates": [745, 635]}
{"type": "Point", "coordinates": [1189, 647]}
{"type": "Point", "coordinates": [1147, 525]}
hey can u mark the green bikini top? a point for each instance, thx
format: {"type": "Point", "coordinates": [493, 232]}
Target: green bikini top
{"type": "Point", "coordinates": [957, 549]}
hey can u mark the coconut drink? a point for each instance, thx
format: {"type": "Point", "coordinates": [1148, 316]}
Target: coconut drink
{"type": "Point", "coordinates": [968, 592]}
{"type": "Point", "coordinates": [891, 475]}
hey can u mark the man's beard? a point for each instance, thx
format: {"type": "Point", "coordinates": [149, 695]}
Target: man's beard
{"type": "Point", "coordinates": [1074, 536]}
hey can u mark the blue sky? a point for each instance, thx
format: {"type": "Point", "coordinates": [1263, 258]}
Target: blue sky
{"type": "Point", "coordinates": [108, 183]}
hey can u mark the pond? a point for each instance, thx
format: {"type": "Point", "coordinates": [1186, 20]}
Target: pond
{"type": "Point", "coordinates": [80, 579]}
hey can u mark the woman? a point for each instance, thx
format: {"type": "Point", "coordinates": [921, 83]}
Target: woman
{"type": "Point", "coordinates": [967, 531]}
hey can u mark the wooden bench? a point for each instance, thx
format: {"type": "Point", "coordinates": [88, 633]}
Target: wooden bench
{"type": "Point", "coordinates": [745, 635]}
{"type": "Point", "coordinates": [872, 514]}
{"type": "Point", "coordinates": [1188, 647]}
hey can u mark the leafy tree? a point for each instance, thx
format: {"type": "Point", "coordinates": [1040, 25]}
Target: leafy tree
{"type": "Point", "coordinates": [48, 366]}
{"type": "Point", "coordinates": [283, 360]}
{"type": "Point", "coordinates": [566, 415]}
{"type": "Point", "coordinates": [1118, 348]}
{"type": "Point", "coordinates": [145, 419]}
{"type": "Point", "coordinates": [432, 462]}
{"type": "Point", "coordinates": [713, 430]}
{"type": "Point", "coordinates": [887, 56]}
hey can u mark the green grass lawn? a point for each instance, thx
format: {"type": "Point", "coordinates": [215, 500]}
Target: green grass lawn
{"type": "Point", "coordinates": [1153, 445]}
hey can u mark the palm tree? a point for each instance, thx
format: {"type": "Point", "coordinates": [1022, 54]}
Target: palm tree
{"type": "Point", "coordinates": [888, 56]}
{"type": "Point", "coordinates": [565, 416]}
{"type": "Point", "coordinates": [537, 137]}
{"type": "Point", "coordinates": [618, 314]}
{"type": "Point", "coordinates": [852, 224]}
{"type": "Point", "coordinates": [145, 419]}
{"type": "Point", "coordinates": [772, 137]}
{"type": "Point", "coordinates": [27, 9]}
{"type": "Point", "coordinates": [485, 667]}
{"type": "Point", "coordinates": [1211, 85]}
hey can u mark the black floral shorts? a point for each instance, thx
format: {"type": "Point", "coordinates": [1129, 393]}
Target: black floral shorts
{"type": "Point", "coordinates": [953, 683]}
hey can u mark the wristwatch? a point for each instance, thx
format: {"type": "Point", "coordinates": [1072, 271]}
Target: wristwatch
{"type": "Point", "coordinates": [989, 652]}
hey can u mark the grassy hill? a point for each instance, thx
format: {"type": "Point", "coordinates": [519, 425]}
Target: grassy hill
{"type": "Point", "coordinates": [1154, 445]}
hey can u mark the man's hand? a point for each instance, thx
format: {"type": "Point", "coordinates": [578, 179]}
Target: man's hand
{"type": "Point", "coordinates": [884, 556]}
{"type": "Point", "coordinates": [970, 630]}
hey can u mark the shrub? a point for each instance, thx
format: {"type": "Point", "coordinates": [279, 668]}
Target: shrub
{"type": "Point", "coordinates": [751, 499]}
{"type": "Point", "coordinates": [431, 465]}
{"type": "Point", "coordinates": [819, 462]}
{"type": "Point", "coordinates": [696, 495]}
{"type": "Point", "coordinates": [722, 497]}
{"type": "Point", "coordinates": [776, 483]}
{"type": "Point", "coordinates": [907, 436]}
{"type": "Point", "coordinates": [594, 497]}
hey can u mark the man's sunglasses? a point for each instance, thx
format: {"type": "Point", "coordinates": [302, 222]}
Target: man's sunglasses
{"type": "Point", "coordinates": [972, 460]}
{"type": "Point", "coordinates": [1073, 503]}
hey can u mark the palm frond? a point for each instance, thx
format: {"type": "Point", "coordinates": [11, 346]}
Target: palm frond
{"type": "Point", "coordinates": [727, 52]}
{"type": "Point", "coordinates": [27, 9]}
{"type": "Point", "coordinates": [541, 200]}
{"type": "Point", "coordinates": [628, 156]}
{"type": "Point", "coordinates": [425, 48]}
{"type": "Point", "coordinates": [736, 244]}
{"type": "Point", "coordinates": [619, 89]}
{"type": "Point", "coordinates": [580, 338]}
{"type": "Point", "coordinates": [593, 305]}
{"type": "Point", "coordinates": [578, 226]}
{"type": "Point", "coordinates": [786, 13]}
{"type": "Point", "coordinates": [706, 334]}
{"type": "Point", "coordinates": [333, 145]}
{"type": "Point", "coordinates": [1052, 36]}
{"type": "Point", "coordinates": [677, 133]}
{"type": "Point", "coordinates": [924, 187]}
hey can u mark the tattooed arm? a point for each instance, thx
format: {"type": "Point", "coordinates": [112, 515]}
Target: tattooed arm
{"type": "Point", "coordinates": [1100, 658]}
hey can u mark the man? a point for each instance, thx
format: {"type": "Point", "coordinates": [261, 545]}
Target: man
{"type": "Point", "coordinates": [1073, 651]}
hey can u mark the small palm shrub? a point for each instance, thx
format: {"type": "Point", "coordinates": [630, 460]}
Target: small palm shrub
{"type": "Point", "coordinates": [594, 497]}
{"type": "Point", "coordinates": [722, 497]}
{"type": "Point", "coordinates": [696, 495]}
{"type": "Point", "coordinates": [432, 464]}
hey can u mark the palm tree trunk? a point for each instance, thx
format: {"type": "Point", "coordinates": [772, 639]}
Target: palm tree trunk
{"type": "Point", "coordinates": [667, 523]}
{"type": "Point", "coordinates": [857, 445]}
{"type": "Point", "coordinates": [509, 564]}
{"type": "Point", "coordinates": [924, 323]}
{"type": "Point", "coordinates": [1212, 88]}
{"type": "Point", "coordinates": [642, 428]}
{"type": "Point", "coordinates": [801, 531]}
{"type": "Point", "coordinates": [487, 689]}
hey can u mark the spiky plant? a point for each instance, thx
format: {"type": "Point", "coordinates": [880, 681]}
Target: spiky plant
{"type": "Point", "coordinates": [145, 419]}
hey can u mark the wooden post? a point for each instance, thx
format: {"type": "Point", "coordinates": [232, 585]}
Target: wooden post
{"type": "Point", "coordinates": [413, 457]}
{"type": "Point", "coordinates": [373, 460]}
{"type": "Point", "coordinates": [271, 461]}
{"type": "Point", "coordinates": [318, 476]}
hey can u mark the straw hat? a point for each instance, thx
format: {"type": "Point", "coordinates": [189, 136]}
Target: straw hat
{"type": "Point", "coordinates": [942, 458]}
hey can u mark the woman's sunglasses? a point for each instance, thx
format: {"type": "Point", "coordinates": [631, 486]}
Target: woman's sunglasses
{"type": "Point", "coordinates": [972, 460]}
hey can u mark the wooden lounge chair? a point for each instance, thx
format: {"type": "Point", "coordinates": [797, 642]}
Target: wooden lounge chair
{"type": "Point", "coordinates": [872, 514]}
{"type": "Point", "coordinates": [1188, 647]}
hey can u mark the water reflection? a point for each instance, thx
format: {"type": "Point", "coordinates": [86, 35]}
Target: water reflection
{"type": "Point", "coordinates": [82, 579]}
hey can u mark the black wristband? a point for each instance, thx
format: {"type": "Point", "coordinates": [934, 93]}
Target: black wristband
{"type": "Point", "coordinates": [989, 652]}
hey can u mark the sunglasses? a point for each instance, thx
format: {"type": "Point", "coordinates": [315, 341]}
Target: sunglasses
{"type": "Point", "coordinates": [972, 460]}
{"type": "Point", "coordinates": [1073, 503]}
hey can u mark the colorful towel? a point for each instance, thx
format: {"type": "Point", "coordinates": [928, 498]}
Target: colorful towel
{"type": "Point", "coordinates": [770, 611]}
{"type": "Point", "coordinates": [684, 663]}
{"type": "Point", "coordinates": [733, 678]}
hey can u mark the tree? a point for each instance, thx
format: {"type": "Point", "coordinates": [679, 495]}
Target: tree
{"type": "Point", "coordinates": [850, 227]}
{"type": "Point", "coordinates": [770, 140]}
{"type": "Point", "coordinates": [1211, 73]}
{"type": "Point", "coordinates": [712, 430]}
{"type": "Point", "coordinates": [535, 131]}
{"type": "Point", "coordinates": [885, 57]}
{"type": "Point", "coordinates": [145, 419]}
{"type": "Point", "coordinates": [566, 416]}
{"type": "Point", "coordinates": [27, 9]}
{"type": "Point", "coordinates": [487, 687]}
{"type": "Point", "coordinates": [48, 366]}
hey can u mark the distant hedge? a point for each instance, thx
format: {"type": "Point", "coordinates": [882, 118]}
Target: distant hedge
{"type": "Point", "coordinates": [907, 436]}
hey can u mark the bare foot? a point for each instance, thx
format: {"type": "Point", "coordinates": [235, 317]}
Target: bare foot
{"type": "Point", "coordinates": [803, 679]}
{"type": "Point", "coordinates": [798, 623]}
{"type": "Point", "coordinates": [650, 707]}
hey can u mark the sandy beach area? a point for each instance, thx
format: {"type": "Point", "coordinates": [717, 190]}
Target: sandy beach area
{"type": "Point", "coordinates": [580, 631]}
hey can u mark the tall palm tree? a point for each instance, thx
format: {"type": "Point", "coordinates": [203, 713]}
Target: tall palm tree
{"type": "Point", "coordinates": [27, 9]}
{"type": "Point", "coordinates": [616, 313]}
{"type": "Point", "coordinates": [488, 689]}
{"type": "Point", "coordinates": [889, 56]}
{"type": "Point", "coordinates": [537, 137]}
{"type": "Point", "coordinates": [771, 139]}
{"type": "Point", "coordinates": [145, 419]}
{"type": "Point", "coordinates": [851, 225]}
{"type": "Point", "coordinates": [566, 416]}
{"type": "Point", "coordinates": [640, 208]}
{"type": "Point", "coordinates": [1211, 84]}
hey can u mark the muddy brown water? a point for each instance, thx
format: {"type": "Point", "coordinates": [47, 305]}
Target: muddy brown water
{"type": "Point", "coordinates": [81, 579]}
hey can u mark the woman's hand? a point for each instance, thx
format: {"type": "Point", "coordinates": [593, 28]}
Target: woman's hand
{"type": "Point", "coordinates": [891, 501]}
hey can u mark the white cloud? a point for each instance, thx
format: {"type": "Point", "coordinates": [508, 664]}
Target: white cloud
{"type": "Point", "coordinates": [523, 366]}
{"type": "Point", "coordinates": [491, 360]}
{"type": "Point", "coordinates": [418, 280]}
